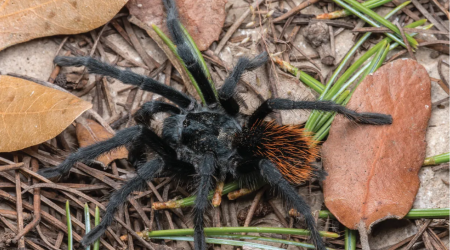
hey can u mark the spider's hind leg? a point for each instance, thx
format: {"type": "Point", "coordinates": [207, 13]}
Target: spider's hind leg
{"type": "Point", "coordinates": [93, 151]}
{"type": "Point", "coordinates": [146, 172]}
{"type": "Point", "coordinates": [275, 179]}
{"type": "Point", "coordinates": [206, 171]}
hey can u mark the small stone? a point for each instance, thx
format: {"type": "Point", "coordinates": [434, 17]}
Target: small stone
{"type": "Point", "coordinates": [434, 54]}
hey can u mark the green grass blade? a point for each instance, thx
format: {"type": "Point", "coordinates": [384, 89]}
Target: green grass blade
{"type": "Point", "coordinates": [369, 21]}
{"type": "Point", "coordinates": [343, 13]}
{"type": "Point", "coordinates": [69, 227]}
{"type": "Point", "coordinates": [431, 213]}
{"type": "Point", "coordinates": [200, 58]}
{"type": "Point", "coordinates": [258, 238]}
{"type": "Point", "coordinates": [227, 230]}
{"type": "Point", "coordinates": [350, 239]}
{"type": "Point", "coordinates": [325, 119]}
{"type": "Point", "coordinates": [96, 222]}
{"type": "Point", "coordinates": [190, 201]}
{"type": "Point", "coordinates": [87, 221]}
{"type": "Point", "coordinates": [222, 242]}
{"type": "Point", "coordinates": [311, 123]}
{"type": "Point", "coordinates": [380, 20]}
{"type": "Point", "coordinates": [302, 76]}
{"type": "Point", "coordinates": [437, 159]}
{"type": "Point", "coordinates": [173, 48]}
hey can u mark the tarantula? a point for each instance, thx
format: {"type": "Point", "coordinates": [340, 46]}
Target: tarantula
{"type": "Point", "coordinates": [209, 142]}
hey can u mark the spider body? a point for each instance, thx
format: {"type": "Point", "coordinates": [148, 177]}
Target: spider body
{"type": "Point", "coordinates": [209, 142]}
{"type": "Point", "coordinates": [195, 134]}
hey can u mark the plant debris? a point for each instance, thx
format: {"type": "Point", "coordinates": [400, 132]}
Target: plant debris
{"type": "Point", "coordinates": [380, 181]}
{"type": "Point", "coordinates": [32, 114]}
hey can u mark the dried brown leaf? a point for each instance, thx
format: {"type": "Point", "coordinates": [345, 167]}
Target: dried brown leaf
{"type": "Point", "coordinates": [90, 132]}
{"type": "Point", "coordinates": [31, 114]}
{"type": "Point", "coordinates": [203, 24]}
{"type": "Point", "coordinates": [373, 170]}
{"type": "Point", "coordinates": [21, 21]}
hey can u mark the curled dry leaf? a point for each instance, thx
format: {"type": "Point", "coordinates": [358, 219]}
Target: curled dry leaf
{"type": "Point", "coordinates": [373, 170]}
{"type": "Point", "coordinates": [90, 132]}
{"type": "Point", "coordinates": [31, 114]}
{"type": "Point", "coordinates": [203, 24]}
{"type": "Point", "coordinates": [21, 21]}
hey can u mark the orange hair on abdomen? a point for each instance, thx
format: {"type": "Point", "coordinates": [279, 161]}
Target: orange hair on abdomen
{"type": "Point", "coordinates": [287, 147]}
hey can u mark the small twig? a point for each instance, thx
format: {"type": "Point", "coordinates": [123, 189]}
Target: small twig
{"type": "Point", "coordinates": [235, 26]}
{"type": "Point", "coordinates": [19, 209]}
{"type": "Point", "coordinates": [278, 213]}
{"type": "Point", "coordinates": [135, 235]}
{"type": "Point", "coordinates": [407, 11]}
{"type": "Point", "coordinates": [439, 245]}
{"type": "Point", "coordinates": [36, 204]}
{"type": "Point", "coordinates": [429, 17]}
{"type": "Point", "coordinates": [418, 234]}
{"type": "Point", "coordinates": [127, 220]}
{"type": "Point", "coordinates": [252, 209]}
{"type": "Point", "coordinates": [295, 10]}
{"type": "Point", "coordinates": [386, 30]}
{"type": "Point", "coordinates": [56, 70]}
{"type": "Point", "coordinates": [408, 46]}
{"type": "Point", "coordinates": [396, 55]}
{"type": "Point", "coordinates": [150, 62]}
{"type": "Point", "coordinates": [159, 197]}
{"type": "Point", "coordinates": [121, 31]}
{"type": "Point", "coordinates": [122, 53]}
{"type": "Point", "coordinates": [444, 84]}
{"type": "Point", "coordinates": [445, 10]}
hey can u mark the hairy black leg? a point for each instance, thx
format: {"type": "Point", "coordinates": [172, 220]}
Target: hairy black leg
{"type": "Point", "coordinates": [143, 174]}
{"type": "Point", "coordinates": [149, 140]}
{"type": "Point", "coordinates": [146, 112]}
{"type": "Point", "coordinates": [91, 152]}
{"type": "Point", "coordinates": [128, 77]}
{"type": "Point", "coordinates": [283, 104]}
{"type": "Point", "coordinates": [227, 91]}
{"type": "Point", "coordinates": [206, 171]}
{"type": "Point", "coordinates": [156, 143]}
{"type": "Point", "coordinates": [275, 178]}
{"type": "Point", "coordinates": [187, 52]}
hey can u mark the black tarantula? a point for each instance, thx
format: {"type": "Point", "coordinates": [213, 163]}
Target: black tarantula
{"type": "Point", "coordinates": [210, 141]}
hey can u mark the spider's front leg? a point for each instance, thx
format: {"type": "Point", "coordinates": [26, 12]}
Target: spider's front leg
{"type": "Point", "coordinates": [227, 91]}
{"type": "Point", "coordinates": [206, 171]}
{"type": "Point", "coordinates": [146, 112]}
{"type": "Point", "coordinates": [93, 151]}
{"type": "Point", "coordinates": [273, 176]}
{"type": "Point", "coordinates": [146, 172]}
{"type": "Point", "coordinates": [129, 77]}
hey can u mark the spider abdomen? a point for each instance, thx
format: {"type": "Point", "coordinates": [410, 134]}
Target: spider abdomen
{"type": "Point", "coordinates": [288, 147]}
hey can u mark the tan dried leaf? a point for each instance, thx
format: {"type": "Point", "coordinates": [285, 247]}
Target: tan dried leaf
{"type": "Point", "coordinates": [22, 21]}
{"type": "Point", "coordinates": [203, 19]}
{"type": "Point", "coordinates": [31, 113]}
{"type": "Point", "coordinates": [373, 170]}
{"type": "Point", "coordinates": [90, 132]}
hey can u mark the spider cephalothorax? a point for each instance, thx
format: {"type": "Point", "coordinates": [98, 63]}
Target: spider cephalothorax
{"type": "Point", "coordinates": [209, 142]}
